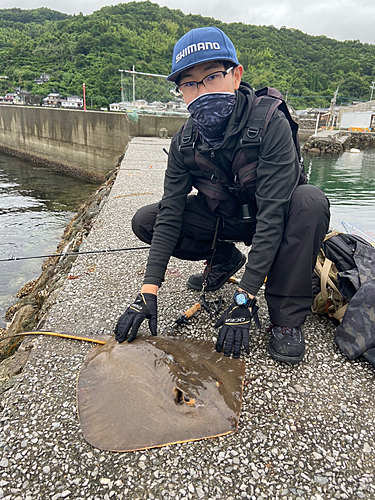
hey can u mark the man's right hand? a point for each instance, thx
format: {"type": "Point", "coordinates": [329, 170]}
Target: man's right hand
{"type": "Point", "coordinates": [144, 306]}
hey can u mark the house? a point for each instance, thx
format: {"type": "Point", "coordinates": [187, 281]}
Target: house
{"type": "Point", "coordinates": [52, 100]}
{"type": "Point", "coordinates": [359, 121]}
{"type": "Point", "coordinates": [120, 106]}
{"type": "Point", "coordinates": [360, 117]}
{"type": "Point", "coordinates": [15, 98]}
{"type": "Point", "coordinates": [177, 105]}
{"type": "Point", "coordinates": [140, 103]}
{"type": "Point", "coordinates": [72, 101]}
{"type": "Point", "coordinates": [154, 106]}
{"type": "Point", "coordinates": [9, 97]}
{"type": "Point", "coordinates": [311, 118]}
{"type": "Point", "coordinates": [42, 79]}
{"type": "Point", "coordinates": [18, 100]}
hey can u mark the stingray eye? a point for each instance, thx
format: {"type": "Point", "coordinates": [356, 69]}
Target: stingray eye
{"type": "Point", "coordinates": [189, 401]}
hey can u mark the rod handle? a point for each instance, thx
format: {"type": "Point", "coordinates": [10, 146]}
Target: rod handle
{"type": "Point", "coordinates": [192, 310]}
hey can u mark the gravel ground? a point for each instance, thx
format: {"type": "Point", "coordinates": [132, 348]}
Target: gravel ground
{"type": "Point", "coordinates": [305, 432]}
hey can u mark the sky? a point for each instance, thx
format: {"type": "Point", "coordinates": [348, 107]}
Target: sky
{"type": "Point", "coordinates": [339, 19]}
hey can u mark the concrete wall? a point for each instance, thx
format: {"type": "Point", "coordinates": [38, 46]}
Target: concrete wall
{"type": "Point", "coordinates": [364, 106]}
{"type": "Point", "coordinates": [359, 120]}
{"type": "Point", "coordinates": [83, 143]}
{"type": "Point", "coordinates": [150, 125]}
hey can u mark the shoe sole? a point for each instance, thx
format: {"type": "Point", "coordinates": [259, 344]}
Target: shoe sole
{"type": "Point", "coordinates": [222, 282]}
{"type": "Point", "coordinates": [293, 360]}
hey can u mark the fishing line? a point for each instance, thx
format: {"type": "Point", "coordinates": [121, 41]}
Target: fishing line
{"type": "Point", "coordinates": [109, 250]}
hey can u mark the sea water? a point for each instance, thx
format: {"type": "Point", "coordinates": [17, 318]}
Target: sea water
{"type": "Point", "coordinates": [349, 182]}
{"type": "Point", "coordinates": [37, 203]}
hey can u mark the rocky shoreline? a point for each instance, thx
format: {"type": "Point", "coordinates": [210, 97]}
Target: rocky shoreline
{"type": "Point", "coordinates": [33, 305]}
{"type": "Point", "coordinates": [332, 145]}
{"type": "Point", "coordinates": [362, 140]}
{"type": "Point", "coordinates": [323, 146]}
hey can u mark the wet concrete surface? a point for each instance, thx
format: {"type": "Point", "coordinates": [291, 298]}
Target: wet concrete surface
{"type": "Point", "coordinates": [305, 432]}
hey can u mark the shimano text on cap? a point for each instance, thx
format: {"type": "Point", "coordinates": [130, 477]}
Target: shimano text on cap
{"type": "Point", "coordinates": [201, 45]}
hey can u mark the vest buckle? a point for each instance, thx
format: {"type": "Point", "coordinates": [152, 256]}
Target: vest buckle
{"type": "Point", "coordinates": [186, 139]}
{"type": "Point", "coordinates": [186, 145]}
{"type": "Point", "coordinates": [252, 132]}
{"type": "Point", "coordinates": [252, 138]}
{"type": "Point", "coordinates": [213, 178]}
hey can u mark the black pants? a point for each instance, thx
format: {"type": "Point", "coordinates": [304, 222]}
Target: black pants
{"type": "Point", "coordinates": [289, 282]}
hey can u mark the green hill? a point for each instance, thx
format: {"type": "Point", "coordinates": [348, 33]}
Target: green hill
{"type": "Point", "coordinates": [91, 49]}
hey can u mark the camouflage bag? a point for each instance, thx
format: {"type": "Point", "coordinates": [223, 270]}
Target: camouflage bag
{"type": "Point", "coordinates": [334, 290]}
{"type": "Point", "coordinates": [346, 269]}
{"type": "Point", "coordinates": [355, 335]}
{"type": "Point", "coordinates": [328, 300]}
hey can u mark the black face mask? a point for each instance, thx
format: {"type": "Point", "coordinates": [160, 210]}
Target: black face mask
{"type": "Point", "coordinates": [211, 113]}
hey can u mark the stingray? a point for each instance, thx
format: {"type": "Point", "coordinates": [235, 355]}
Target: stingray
{"type": "Point", "coordinates": [157, 391]}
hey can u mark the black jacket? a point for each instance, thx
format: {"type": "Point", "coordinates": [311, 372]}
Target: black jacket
{"type": "Point", "coordinates": [277, 176]}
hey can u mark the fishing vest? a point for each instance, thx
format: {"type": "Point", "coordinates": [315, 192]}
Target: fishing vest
{"type": "Point", "coordinates": [232, 194]}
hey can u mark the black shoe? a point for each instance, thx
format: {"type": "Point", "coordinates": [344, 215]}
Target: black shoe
{"type": "Point", "coordinates": [286, 343]}
{"type": "Point", "coordinates": [218, 274]}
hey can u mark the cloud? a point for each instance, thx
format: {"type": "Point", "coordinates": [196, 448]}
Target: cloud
{"type": "Point", "coordinates": [339, 19]}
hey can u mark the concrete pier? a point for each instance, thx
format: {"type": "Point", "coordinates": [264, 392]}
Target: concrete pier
{"type": "Point", "coordinates": [328, 141]}
{"type": "Point", "coordinates": [81, 143]}
{"type": "Point", "coordinates": [305, 432]}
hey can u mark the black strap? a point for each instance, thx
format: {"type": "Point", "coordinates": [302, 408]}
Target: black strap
{"type": "Point", "coordinates": [188, 139]}
{"type": "Point", "coordinates": [259, 117]}
{"type": "Point", "coordinates": [270, 98]}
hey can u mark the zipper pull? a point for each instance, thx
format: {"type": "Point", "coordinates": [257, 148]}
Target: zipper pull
{"type": "Point", "coordinates": [212, 153]}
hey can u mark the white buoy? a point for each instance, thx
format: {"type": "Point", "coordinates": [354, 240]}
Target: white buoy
{"type": "Point", "coordinates": [354, 150]}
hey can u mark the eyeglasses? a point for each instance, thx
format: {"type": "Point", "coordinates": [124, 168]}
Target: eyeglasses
{"type": "Point", "coordinates": [211, 82]}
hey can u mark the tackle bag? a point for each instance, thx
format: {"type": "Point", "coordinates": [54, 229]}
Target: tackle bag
{"type": "Point", "coordinates": [344, 288]}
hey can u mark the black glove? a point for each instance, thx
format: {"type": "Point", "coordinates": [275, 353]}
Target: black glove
{"type": "Point", "coordinates": [144, 306]}
{"type": "Point", "coordinates": [235, 330]}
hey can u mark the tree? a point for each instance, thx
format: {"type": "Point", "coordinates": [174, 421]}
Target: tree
{"type": "Point", "coordinates": [91, 49]}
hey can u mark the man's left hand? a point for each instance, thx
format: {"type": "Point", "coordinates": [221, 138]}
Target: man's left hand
{"type": "Point", "coordinates": [234, 332]}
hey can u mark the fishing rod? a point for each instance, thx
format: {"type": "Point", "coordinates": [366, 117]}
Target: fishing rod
{"type": "Point", "coordinates": [95, 338]}
{"type": "Point", "coordinates": [109, 250]}
{"type": "Point", "coordinates": [366, 236]}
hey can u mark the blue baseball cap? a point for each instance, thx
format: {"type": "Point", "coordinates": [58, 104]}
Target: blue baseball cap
{"type": "Point", "coordinates": [201, 45]}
